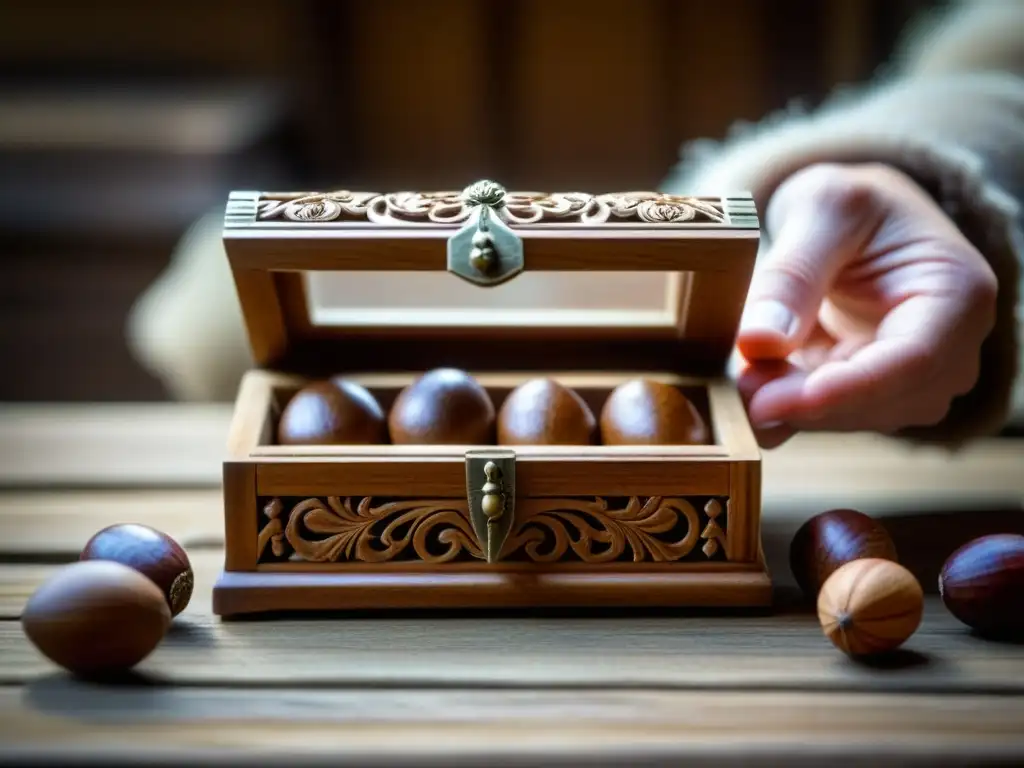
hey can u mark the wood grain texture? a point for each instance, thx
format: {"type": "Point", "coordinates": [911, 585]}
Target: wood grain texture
{"type": "Point", "coordinates": [655, 250]}
{"type": "Point", "coordinates": [446, 476]}
{"type": "Point", "coordinates": [112, 444]}
{"type": "Point", "coordinates": [238, 593]}
{"type": "Point", "coordinates": [400, 123]}
{"type": "Point", "coordinates": [625, 648]}
{"type": "Point", "coordinates": [19, 580]}
{"type": "Point", "coordinates": [716, 303]}
{"type": "Point", "coordinates": [685, 650]}
{"type": "Point", "coordinates": [369, 727]}
{"type": "Point", "coordinates": [263, 312]}
{"type": "Point", "coordinates": [254, 415]}
{"type": "Point", "coordinates": [241, 524]}
{"type": "Point", "coordinates": [56, 525]}
{"type": "Point", "coordinates": [744, 537]}
{"type": "Point", "coordinates": [576, 130]}
{"type": "Point", "coordinates": [127, 446]}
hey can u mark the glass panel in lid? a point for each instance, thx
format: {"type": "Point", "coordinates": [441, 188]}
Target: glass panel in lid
{"type": "Point", "coordinates": [539, 299]}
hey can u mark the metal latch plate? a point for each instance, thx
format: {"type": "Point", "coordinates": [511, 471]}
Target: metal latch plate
{"type": "Point", "coordinates": [491, 490]}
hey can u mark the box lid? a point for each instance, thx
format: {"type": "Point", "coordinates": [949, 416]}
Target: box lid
{"type": "Point", "coordinates": [486, 279]}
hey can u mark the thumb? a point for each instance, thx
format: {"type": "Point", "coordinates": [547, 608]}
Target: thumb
{"type": "Point", "coordinates": [817, 226]}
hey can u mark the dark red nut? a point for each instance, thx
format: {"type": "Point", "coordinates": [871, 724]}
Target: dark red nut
{"type": "Point", "coordinates": [152, 553]}
{"type": "Point", "coordinates": [982, 585]}
{"type": "Point", "coordinates": [831, 539]}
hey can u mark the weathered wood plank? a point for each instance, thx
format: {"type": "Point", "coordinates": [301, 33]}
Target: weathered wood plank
{"type": "Point", "coordinates": [58, 524]}
{"type": "Point", "coordinates": [113, 444]}
{"type": "Point", "coordinates": [784, 651]}
{"type": "Point", "coordinates": [367, 727]}
{"type": "Point", "coordinates": [19, 580]}
{"type": "Point", "coordinates": [183, 445]}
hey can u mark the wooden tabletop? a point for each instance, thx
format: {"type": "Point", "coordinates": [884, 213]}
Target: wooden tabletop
{"type": "Point", "coordinates": [551, 688]}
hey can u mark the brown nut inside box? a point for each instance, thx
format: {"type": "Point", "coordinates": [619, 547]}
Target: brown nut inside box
{"type": "Point", "coordinates": [593, 391]}
{"type": "Point", "coordinates": [480, 525]}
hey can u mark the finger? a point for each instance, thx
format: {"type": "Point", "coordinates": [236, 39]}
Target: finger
{"type": "Point", "coordinates": [908, 357]}
{"type": "Point", "coordinates": [914, 409]}
{"type": "Point", "coordinates": [749, 382]}
{"type": "Point", "coordinates": [908, 354]}
{"type": "Point", "coordinates": [758, 374]}
{"type": "Point", "coordinates": [823, 221]}
{"type": "Point", "coordinates": [773, 437]}
{"type": "Point", "coordinates": [771, 392]}
{"type": "Point", "coordinates": [860, 390]}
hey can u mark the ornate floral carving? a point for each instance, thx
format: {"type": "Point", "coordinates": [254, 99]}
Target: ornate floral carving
{"type": "Point", "coordinates": [437, 531]}
{"type": "Point", "coordinates": [591, 530]}
{"type": "Point", "coordinates": [316, 207]}
{"type": "Point", "coordinates": [514, 208]}
{"type": "Point", "coordinates": [596, 533]}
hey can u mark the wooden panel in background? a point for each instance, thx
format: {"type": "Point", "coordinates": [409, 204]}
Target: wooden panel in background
{"type": "Point", "coordinates": [590, 104]}
{"type": "Point", "coordinates": [417, 87]}
{"type": "Point", "coordinates": [242, 36]}
{"type": "Point", "coordinates": [717, 66]}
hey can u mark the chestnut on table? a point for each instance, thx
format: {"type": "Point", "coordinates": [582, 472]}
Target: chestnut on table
{"type": "Point", "coordinates": [550, 369]}
{"type": "Point", "coordinates": [982, 584]}
{"type": "Point", "coordinates": [152, 553]}
{"type": "Point", "coordinates": [870, 605]}
{"type": "Point", "coordinates": [97, 617]}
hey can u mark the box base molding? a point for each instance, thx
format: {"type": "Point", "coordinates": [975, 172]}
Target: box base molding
{"type": "Point", "coordinates": [250, 592]}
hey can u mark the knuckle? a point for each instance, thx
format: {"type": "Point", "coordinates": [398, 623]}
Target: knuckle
{"type": "Point", "coordinates": [848, 195]}
{"type": "Point", "coordinates": [845, 190]}
{"type": "Point", "coordinates": [787, 276]}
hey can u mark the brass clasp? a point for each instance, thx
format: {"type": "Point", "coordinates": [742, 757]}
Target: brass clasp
{"type": "Point", "coordinates": [491, 491]}
{"type": "Point", "coordinates": [485, 251]}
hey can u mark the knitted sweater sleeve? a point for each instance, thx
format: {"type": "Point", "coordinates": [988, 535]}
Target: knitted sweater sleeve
{"type": "Point", "coordinates": [950, 113]}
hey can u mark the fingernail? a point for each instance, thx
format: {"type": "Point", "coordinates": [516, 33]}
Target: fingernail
{"type": "Point", "coordinates": [769, 315]}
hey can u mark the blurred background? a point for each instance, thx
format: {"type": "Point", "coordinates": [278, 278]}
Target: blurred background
{"type": "Point", "coordinates": [123, 122]}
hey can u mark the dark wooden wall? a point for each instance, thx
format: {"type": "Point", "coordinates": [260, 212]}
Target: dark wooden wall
{"type": "Point", "coordinates": [303, 93]}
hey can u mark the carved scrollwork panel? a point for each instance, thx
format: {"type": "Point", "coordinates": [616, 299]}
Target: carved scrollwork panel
{"type": "Point", "coordinates": [514, 208]}
{"type": "Point", "coordinates": [548, 530]}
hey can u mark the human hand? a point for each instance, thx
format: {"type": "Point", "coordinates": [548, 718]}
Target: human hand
{"type": "Point", "coordinates": [867, 313]}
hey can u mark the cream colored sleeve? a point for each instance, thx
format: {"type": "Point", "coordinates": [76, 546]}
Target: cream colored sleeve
{"type": "Point", "coordinates": [186, 328]}
{"type": "Point", "coordinates": [951, 115]}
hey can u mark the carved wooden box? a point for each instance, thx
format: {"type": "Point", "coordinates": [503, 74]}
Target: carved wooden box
{"type": "Point", "coordinates": [591, 291]}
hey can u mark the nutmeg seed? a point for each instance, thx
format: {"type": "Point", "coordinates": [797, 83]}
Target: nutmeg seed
{"type": "Point", "coordinates": [830, 540]}
{"type": "Point", "coordinates": [870, 606]}
{"type": "Point", "coordinates": [982, 585]}
{"type": "Point", "coordinates": [332, 412]}
{"type": "Point", "coordinates": [444, 406]}
{"type": "Point", "coordinates": [96, 617]}
{"type": "Point", "coordinates": [544, 412]}
{"type": "Point", "coordinates": [646, 412]}
{"type": "Point", "coordinates": [152, 553]}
